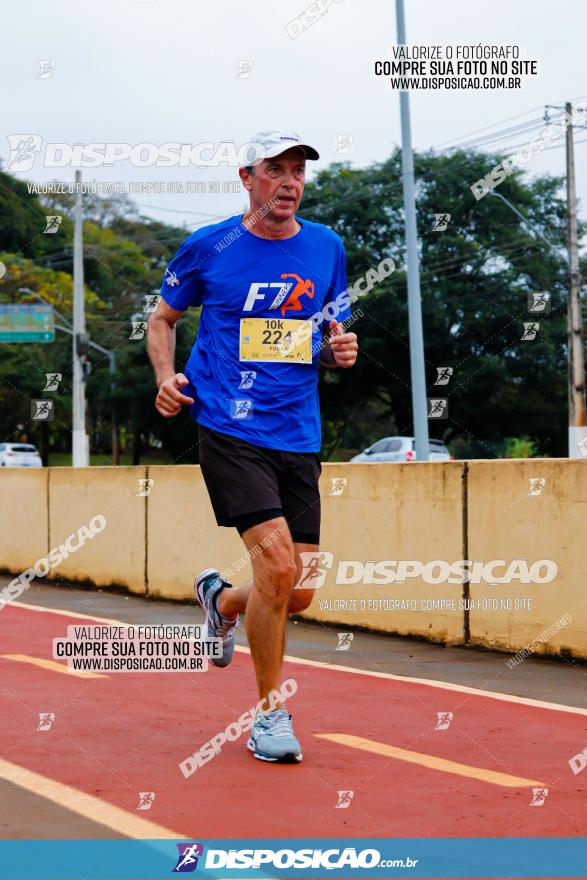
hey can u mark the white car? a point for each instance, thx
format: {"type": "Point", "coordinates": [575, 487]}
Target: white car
{"type": "Point", "coordinates": [401, 449]}
{"type": "Point", "coordinates": [19, 455]}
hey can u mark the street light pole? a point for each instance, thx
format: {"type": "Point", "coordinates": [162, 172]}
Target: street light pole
{"type": "Point", "coordinates": [577, 428]}
{"type": "Point", "coordinates": [521, 216]}
{"type": "Point", "coordinates": [80, 443]}
{"type": "Point", "coordinates": [416, 333]}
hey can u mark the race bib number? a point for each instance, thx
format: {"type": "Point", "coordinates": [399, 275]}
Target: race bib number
{"type": "Point", "coordinates": [282, 340]}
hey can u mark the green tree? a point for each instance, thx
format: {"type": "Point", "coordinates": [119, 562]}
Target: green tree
{"type": "Point", "coordinates": [476, 277]}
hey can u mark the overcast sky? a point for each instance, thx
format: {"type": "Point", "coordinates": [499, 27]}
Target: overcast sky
{"type": "Point", "coordinates": [159, 71]}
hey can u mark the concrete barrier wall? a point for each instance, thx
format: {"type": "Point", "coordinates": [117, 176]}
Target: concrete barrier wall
{"type": "Point", "coordinates": [117, 554]}
{"type": "Point", "coordinates": [160, 533]}
{"type": "Point", "coordinates": [183, 537]}
{"type": "Point", "coordinates": [389, 513]}
{"type": "Point", "coordinates": [507, 521]}
{"type": "Point", "coordinates": [23, 517]}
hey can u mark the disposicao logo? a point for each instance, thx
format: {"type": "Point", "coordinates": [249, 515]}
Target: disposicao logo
{"type": "Point", "coordinates": [188, 855]}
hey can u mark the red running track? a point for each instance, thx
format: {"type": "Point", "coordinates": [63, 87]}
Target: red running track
{"type": "Point", "coordinates": [128, 732]}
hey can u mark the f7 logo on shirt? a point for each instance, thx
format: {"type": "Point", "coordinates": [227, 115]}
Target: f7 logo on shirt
{"type": "Point", "coordinates": [303, 287]}
{"type": "Point", "coordinates": [255, 293]}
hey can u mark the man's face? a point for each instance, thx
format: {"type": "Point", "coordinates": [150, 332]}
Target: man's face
{"type": "Point", "coordinates": [283, 178]}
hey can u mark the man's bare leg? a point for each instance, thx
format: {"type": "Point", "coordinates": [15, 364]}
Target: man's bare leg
{"type": "Point", "coordinates": [273, 577]}
{"type": "Point", "coordinates": [269, 598]}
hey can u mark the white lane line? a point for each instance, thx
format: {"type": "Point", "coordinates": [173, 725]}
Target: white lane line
{"type": "Point", "coordinates": [85, 805]}
{"type": "Point", "coordinates": [429, 682]}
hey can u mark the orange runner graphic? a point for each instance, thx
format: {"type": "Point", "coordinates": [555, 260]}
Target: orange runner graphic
{"type": "Point", "coordinates": [293, 303]}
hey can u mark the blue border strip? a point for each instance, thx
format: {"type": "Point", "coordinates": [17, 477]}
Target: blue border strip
{"type": "Point", "coordinates": [525, 857]}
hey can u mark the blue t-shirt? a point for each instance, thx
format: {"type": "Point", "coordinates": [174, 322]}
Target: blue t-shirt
{"type": "Point", "coordinates": [237, 276]}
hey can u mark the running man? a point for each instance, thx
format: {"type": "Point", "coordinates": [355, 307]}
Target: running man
{"type": "Point", "coordinates": [261, 278]}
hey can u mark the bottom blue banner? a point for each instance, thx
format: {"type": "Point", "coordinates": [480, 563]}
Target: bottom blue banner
{"type": "Point", "coordinates": [549, 857]}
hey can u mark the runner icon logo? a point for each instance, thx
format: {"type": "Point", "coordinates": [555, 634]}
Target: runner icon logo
{"type": "Point", "coordinates": [241, 409]}
{"type": "Point", "coordinates": [52, 223]}
{"type": "Point", "coordinates": [244, 68]}
{"type": "Point", "coordinates": [138, 330]}
{"type": "Point", "coordinates": [313, 575]}
{"type": "Point", "coordinates": [247, 379]}
{"type": "Point", "coordinates": [151, 302]}
{"type": "Point", "coordinates": [52, 381]}
{"type": "Point", "coordinates": [444, 375]}
{"type": "Point", "coordinates": [537, 484]}
{"type": "Point", "coordinates": [42, 410]}
{"type": "Point", "coordinates": [344, 800]}
{"type": "Point", "coordinates": [539, 302]}
{"type": "Point", "coordinates": [302, 287]}
{"type": "Point", "coordinates": [146, 799]}
{"type": "Point", "coordinates": [441, 222]}
{"type": "Point", "coordinates": [531, 329]}
{"type": "Point", "coordinates": [444, 719]}
{"type": "Point", "coordinates": [171, 279]}
{"type": "Point", "coordinates": [46, 68]}
{"type": "Point", "coordinates": [344, 641]}
{"type": "Point", "coordinates": [23, 151]}
{"type": "Point", "coordinates": [539, 795]}
{"type": "Point", "coordinates": [46, 719]}
{"type": "Point", "coordinates": [339, 484]}
{"type": "Point", "coordinates": [187, 860]}
{"type": "Point", "coordinates": [145, 487]}
{"type": "Point", "coordinates": [438, 408]}
{"type": "Point", "coordinates": [343, 143]}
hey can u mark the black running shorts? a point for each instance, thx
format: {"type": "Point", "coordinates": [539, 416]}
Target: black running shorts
{"type": "Point", "coordinates": [249, 484]}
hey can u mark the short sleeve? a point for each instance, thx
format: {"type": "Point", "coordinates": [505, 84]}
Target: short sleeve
{"type": "Point", "coordinates": [181, 286]}
{"type": "Point", "coordinates": [337, 292]}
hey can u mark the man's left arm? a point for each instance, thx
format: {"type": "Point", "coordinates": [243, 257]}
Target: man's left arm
{"type": "Point", "coordinates": [339, 349]}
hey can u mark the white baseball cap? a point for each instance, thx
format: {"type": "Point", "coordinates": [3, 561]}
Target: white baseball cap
{"type": "Point", "coordinates": [268, 144]}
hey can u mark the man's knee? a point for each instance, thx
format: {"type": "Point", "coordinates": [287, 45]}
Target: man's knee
{"type": "Point", "coordinates": [275, 570]}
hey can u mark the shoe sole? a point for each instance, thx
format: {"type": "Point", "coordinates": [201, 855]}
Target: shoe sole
{"type": "Point", "coordinates": [288, 758]}
{"type": "Point", "coordinates": [198, 585]}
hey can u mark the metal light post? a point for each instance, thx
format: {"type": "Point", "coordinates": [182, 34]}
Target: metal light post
{"type": "Point", "coordinates": [419, 402]}
{"type": "Point", "coordinates": [577, 426]}
{"type": "Point", "coordinates": [80, 455]}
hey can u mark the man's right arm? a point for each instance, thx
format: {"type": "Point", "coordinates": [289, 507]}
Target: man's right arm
{"type": "Point", "coordinates": [161, 350]}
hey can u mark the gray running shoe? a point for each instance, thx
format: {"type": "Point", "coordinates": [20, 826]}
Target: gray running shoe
{"type": "Point", "coordinates": [272, 737]}
{"type": "Point", "coordinates": [208, 585]}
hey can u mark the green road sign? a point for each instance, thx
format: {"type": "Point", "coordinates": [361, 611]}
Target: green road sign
{"type": "Point", "coordinates": [26, 323]}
